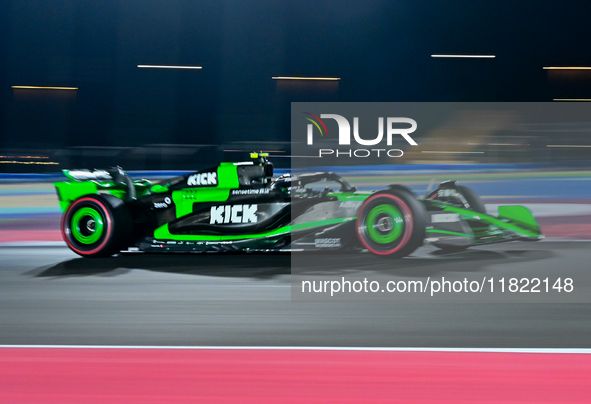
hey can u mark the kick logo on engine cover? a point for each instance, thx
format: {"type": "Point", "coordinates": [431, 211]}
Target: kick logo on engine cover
{"type": "Point", "coordinates": [203, 180]}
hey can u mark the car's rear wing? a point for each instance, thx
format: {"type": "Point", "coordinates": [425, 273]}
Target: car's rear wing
{"type": "Point", "coordinates": [113, 181]}
{"type": "Point", "coordinates": [87, 175]}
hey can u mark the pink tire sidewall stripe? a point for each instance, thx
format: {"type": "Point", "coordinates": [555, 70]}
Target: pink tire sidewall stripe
{"type": "Point", "coordinates": [408, 224]}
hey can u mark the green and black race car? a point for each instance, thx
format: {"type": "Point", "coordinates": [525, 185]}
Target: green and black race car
{"type": "Point", "coordinates": [238, 206]}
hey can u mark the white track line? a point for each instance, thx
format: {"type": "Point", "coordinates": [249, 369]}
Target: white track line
{"type": "Point", "coordinates": [313, 348]}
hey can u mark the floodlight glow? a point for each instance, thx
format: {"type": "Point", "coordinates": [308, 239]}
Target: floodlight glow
{"type": "Point", "coordinates": [567, 145]}
{"type": "Point", "coordinates": [44, 88]}
{"type": "Point", "coordinates": [465, 56]}
{"type": "Point", "coordinates": [169, 67]}
{"type": "Point", "coordinates": [42, 163]}
{"type": "Point", "coordinates": [305, 78]}
{"type": "Point", "coordinates": [453, 152]}
{"type": "Point", "coordinates": [566, 68]}
{"type": "Point", "coordinates": [498, 144]}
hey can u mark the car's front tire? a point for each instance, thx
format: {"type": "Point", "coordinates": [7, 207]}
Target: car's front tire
{"type": "Point", "coordinates": [391, 223]}
{"type": "Point", "coordinates": [472, 198]}
{"type": "Point", "coordinates": [96, 225]}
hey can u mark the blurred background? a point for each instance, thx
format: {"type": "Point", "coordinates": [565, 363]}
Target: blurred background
{"type": "Point", "coordinates": [102, 109]}
{"type": "Point", "coordinates": [162, 87]}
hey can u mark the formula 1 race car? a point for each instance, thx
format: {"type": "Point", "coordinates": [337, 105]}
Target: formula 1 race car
{"type": "Point", "coordinates": [240, 207]}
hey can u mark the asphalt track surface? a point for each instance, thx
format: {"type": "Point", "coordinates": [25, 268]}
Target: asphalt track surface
{"type": "Point", "coordinates": [50, 296]}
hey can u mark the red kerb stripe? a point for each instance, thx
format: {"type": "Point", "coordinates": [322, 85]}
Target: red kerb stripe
{"type": "Point", "coordinates": [68, 376]}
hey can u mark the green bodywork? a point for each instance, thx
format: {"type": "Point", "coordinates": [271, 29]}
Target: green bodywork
{"type": "Point", "coordinates": [164, 234]}
{"type": "Point", "coordinates": [483, 228]}
{"type": "Point", "coordinates": [517, 219]}
{"type": "Point", "coordinates": [69, 191]}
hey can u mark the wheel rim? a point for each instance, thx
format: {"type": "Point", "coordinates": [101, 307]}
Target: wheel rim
{"type": "Point", "coordinates": [384, 224]}
{"type": "Point", "coordinates": [375, 233]}
{"type": "Point", "coordinates": [87, 225]}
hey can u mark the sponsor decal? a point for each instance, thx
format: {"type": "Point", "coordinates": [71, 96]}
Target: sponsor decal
{"type": "Point", "coordinates": [350, 205]}
{"type": "Point", "coordinates": [445, 218]}
{"type": "Point", "coordinates": [446, 192]}
{"type": "Point", "coordinates": [233, 214]}
{"type": "Point", "coordinates": [203, 180]}
{"type": "Point", "coordinates": [327, 243]}
{"type": "Point", "coordinates": [164, 204]}
{"type": "Point", "coordinates": [387, 128]}
{"type": "Point", "coordinates": [258, 191]}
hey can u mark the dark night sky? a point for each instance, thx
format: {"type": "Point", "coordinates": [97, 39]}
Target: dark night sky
{"type": "Point", "coordinates": [380, 49]}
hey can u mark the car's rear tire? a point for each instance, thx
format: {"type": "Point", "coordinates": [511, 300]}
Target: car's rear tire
{"type": "Point", "coordinates": [391, 223]}
{"type": "Point", "coordinates": [96, 225]}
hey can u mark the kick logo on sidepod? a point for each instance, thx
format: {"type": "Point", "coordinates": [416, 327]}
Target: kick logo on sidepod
{"type": "Point", "coordinates": [233, 214]}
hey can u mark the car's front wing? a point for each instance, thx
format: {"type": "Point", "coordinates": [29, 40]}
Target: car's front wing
{"type": "Point", "coordinates": [451, 226]}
